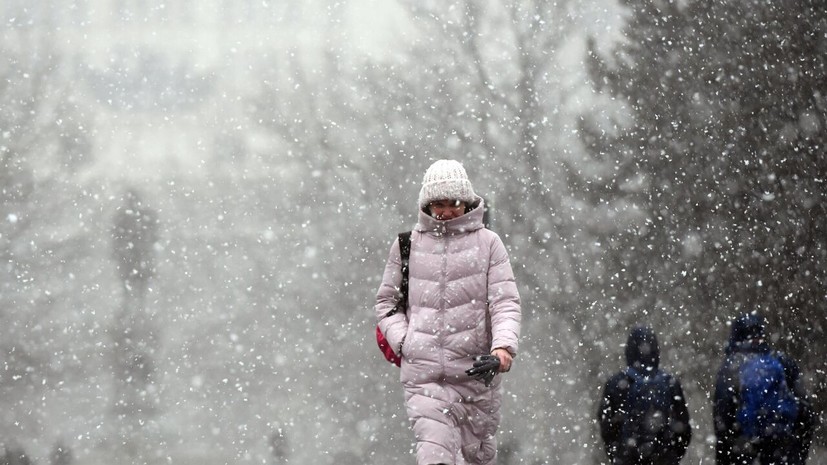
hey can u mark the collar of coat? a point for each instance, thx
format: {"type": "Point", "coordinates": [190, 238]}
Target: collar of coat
{"type": "Point", "coordinates": [468, 222]}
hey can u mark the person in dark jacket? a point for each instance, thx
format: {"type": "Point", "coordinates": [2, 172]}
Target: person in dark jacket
{"type": "Point", "coordinates": [747, 338]}
{"type": "Point", "coordinates": [615, 414]}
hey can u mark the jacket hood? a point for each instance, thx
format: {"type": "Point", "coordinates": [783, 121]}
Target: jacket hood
{"type": "Point", "coordinates": [642, 352]}
{"type": "Point", "coordinates": [747, 334]}
{"type": "Point", "coordinates": [470, 221]}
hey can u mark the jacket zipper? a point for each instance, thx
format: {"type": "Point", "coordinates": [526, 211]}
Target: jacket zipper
{"type": "Point", "coordinates": [443, 289]}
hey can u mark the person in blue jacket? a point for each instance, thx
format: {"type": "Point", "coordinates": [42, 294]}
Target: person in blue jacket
{"type": "Point", "coordinates": [734, 446]}
{"type": "Point", "coordinates": [620, 424]}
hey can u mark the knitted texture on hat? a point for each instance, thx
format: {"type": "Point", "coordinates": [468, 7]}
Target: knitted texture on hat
{"type": "Point", "coordinates": [446, 180]}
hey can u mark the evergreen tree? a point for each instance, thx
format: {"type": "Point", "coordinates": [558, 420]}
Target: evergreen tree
{"type": "Point", "coordinates": [723, 155]}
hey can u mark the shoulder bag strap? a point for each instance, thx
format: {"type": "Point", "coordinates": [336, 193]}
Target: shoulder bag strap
{"type": "Point", "coordinates": [405, 253]}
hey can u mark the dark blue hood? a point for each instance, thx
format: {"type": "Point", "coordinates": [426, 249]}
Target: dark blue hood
{"type": "Point", "coordinates": [747, 334]}
{"type": "Point", "coordinates": [642, 351]}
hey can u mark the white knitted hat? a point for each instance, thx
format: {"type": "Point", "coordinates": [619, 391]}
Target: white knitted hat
{"type": "Point", "coordinates": [446, 180]}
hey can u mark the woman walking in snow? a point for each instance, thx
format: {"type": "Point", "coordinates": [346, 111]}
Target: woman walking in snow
{"type": "Point", "coordinates": [463, 311]}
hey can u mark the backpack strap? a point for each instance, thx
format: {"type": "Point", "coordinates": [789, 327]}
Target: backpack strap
{"type": "Point", "coordinates": [405, 254]}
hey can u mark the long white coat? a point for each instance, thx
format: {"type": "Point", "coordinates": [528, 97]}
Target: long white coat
{"type": "Point", "coordinates": [462, 301]}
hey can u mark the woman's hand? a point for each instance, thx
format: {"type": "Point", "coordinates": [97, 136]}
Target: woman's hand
{"type": "Point", "coordinates": [505, 359]}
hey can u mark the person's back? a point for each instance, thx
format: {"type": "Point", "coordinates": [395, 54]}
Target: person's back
{"type": "Point", "coordinates": [643, 415]}
{"type": "Point", "coordinates": [760, 408]}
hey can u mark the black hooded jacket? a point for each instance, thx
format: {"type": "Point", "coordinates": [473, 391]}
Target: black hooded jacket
{"type": "Point", "coordinates": [642, 355]}
{"type": "Point", "coordinates": [746, 338]}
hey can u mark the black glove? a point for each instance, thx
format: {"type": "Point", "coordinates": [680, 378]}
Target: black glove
{"type": "Point", "coordinates": [485, 368]}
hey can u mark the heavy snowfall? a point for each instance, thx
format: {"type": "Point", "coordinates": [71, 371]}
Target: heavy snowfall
{"type": "Point", "coordinates": [197, 200]}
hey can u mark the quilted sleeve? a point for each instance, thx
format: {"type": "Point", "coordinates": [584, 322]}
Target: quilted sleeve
{"type": "Point", "coordinates": [503, 300]}
{"type": "Point", "coordinates": [396, 326]}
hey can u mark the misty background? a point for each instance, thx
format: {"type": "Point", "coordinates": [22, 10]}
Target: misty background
{"type": "Point", "coordinates": [197, 199]}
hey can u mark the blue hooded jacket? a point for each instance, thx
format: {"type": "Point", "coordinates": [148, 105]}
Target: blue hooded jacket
{"type": "Point", "coordinates": [748, 337]}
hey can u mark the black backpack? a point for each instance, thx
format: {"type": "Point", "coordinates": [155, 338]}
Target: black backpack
{"type": "Point", "coordinates": [646, 433]}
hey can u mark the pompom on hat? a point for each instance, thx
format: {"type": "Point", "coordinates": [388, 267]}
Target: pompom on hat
{"type": "Point", "coordinates": [446, 180]}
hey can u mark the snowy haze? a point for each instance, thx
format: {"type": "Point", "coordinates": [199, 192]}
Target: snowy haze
{"type": "Point", "coordinates": [197, 199]}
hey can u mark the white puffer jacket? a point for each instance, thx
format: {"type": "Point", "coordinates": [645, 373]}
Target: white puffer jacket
{"type": "Point", "coordinates": [462, 301]}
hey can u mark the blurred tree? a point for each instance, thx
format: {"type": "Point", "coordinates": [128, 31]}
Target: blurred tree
{"type": "Point", "coordinates": [321, 199]}
{"type": "Point", "coordinates": [724, 155]}
{"type": "Point", "coordinates": [134, 238]}
{"type": "Point", "coordinates": [20, 104]}
{"type": "Point", "coordinates": [483, 83]}
{"type": "Point", "coordinates": [278, 447]}
{"type": "Point", "coordinates": [41, 228]}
